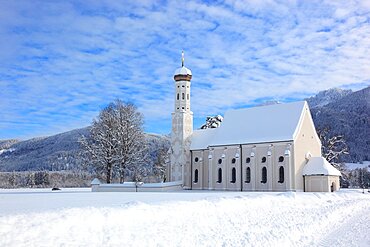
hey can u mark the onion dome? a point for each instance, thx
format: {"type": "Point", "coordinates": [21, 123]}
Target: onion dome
{"type": "Point", "coordinates": [183, 73]}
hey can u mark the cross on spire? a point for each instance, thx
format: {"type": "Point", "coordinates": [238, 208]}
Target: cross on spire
{"type": "Point", "coordinates": [182, 59]}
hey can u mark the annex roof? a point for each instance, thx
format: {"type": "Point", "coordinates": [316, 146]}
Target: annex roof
{"type": "Point", "coordinates": [271, 123]}
{"type": "Point", "coordinates": [319, 166]}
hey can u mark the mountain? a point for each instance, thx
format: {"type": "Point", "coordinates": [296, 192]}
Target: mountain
{"type": "Point", "coordinates": [55, 153]}
{"type": "Point", "coordinates": [328, 96]}
{"type": "Point", "coordinates": [345, 113]}
{"type": "Point", "coordinates": [58, 152]}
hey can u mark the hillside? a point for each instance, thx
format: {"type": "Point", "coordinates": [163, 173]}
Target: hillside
{"type": "Point", "coordinates": [348, 114]}
{"type": "Point", "coordinates": [55, 153]}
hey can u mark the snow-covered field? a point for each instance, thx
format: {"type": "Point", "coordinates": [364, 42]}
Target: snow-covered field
{"type": "Point", "coordinates": [78, 217]}
{"type": "Point", "coordinates": [352, 166]}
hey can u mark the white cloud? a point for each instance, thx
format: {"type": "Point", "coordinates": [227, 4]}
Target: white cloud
{"type": "Point", "coordinates": [66, 60]}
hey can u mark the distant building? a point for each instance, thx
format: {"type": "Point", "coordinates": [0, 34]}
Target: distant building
{"type": "Point", "coordinates": [265, 148]}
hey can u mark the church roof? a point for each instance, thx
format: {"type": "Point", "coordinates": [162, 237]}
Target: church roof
{"type": "Point", "coordinates": [271, 123]}
{"type": "Point", "coordinates": [319, 166]}
{"type": "Point", "coordinates": [183, 71]}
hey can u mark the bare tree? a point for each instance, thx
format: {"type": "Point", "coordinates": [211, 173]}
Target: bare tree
{"type": "Point", "coordinates": [333, 147]}
{"type": "Point", "coordinates": [161, 162]}
{"type": "Point", "coordinates": [117, 143]}
{"type": "Point", "coordinates": [100, 147]}
{"type": "Point", "coordinates": [131, 142]}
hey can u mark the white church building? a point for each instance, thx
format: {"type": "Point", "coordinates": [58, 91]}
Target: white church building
{"type": "Point", "coordinates": [264, 148]}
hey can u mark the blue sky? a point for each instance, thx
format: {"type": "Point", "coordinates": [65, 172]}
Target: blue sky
{"type": "Point", "coordinates": [62, 61]}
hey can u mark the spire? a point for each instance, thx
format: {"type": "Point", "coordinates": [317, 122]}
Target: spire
{"type": "Point", "coordinates": [182, 59]}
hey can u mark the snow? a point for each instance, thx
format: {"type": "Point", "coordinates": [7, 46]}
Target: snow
{"type": "Point", "coordinates": [253, 125]}
{"type": "Point", "coordinates": [319, 166]}
{"type": "Point", "coordinates": [81, 218]}
{"type": "Point", "coordinates": [201, 138]}
{"type": "Point", "coordinates": [183, 71]}
{"type": "Point", "coordinates": [6, 150]}
{"type": "Point", "coordinates": [353, 166]}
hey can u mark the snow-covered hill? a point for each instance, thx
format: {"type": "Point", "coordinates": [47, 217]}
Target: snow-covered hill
{"type": "Point", "coordinates": [83, 218]}
{"type": "Point", "coordinates": [55, 153]}
{"type": "Point", "coordinates": [346, 114]}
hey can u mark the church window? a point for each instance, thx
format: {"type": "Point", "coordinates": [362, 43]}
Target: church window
{"type": "Point", "coordinates": [183, 95]}
{"type": "Point", "coordinates": [264, 175]}
{"type": "Point", "coordinates": [196, 176]}
{"type": "Point", "coordinates": [248, 175]}
{"type": "Point", "coordinates": [187, 96]}
{"type": "Point", "coordinates": [220, 161]}
{"type": "Point", "coordinates": [233, 175]}
{"type": "Point", "coordinates": [233, 160]}
{"type": "Point", "coordinates": [178, 96]}
{"type": "Point", "coordinates": [219, 179]}
{"type": "Point", "coordinates": [281, 159]}
{"type": "Point", "coordinates": [183, 108]}
{"type": "Point", "coordinates": [263, 159]}
{"type": "Point", "coordinates": [248, 160]}
{"type": "Point", "coordinates": [196, 159]}
{"type": "Point", "coordinates": [183, 86]}
{"type": "Point", "coordinates": [281, 174]}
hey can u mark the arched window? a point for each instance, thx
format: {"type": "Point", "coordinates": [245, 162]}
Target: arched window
{"type": "Point", "coordinates": [196, 159]}
{"type": "Point", "coordinates": [187, 96]}
{"type": "Point", "coordinates": [248, 175]}
{"type": "Point", "coordinates": [219, 180]}
{"type": "Point", "coordinates": [281, 159]}
{"type": "Point", "coordinates": [233, 175]}
{"type": "Point", "coordinates": [263, 159]}
{"type": "Point", "coordinates": [233, 160]}
{"type": "Point", "coordinates": [178, 96]}
{"type": "Point", "coordinates": [220, 161]}
{"type": "Point", "coordinates": [264, 175]}
{"type": "Point", "coordinates": [183, 95]}
{"type": "Point", "coordinates": [248, 160]}
{"type": "Point", "coordinates": [196, 176]}
{"type": "Point", "coordinates": [281, 174]}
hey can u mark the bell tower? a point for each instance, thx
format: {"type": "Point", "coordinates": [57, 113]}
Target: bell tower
{"type": "Point", "coordinates": [182, 127]}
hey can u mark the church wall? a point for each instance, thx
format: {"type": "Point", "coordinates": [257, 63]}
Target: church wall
{"type": "Point", "coordinates": [283, 172]}
{"type": "Point", "coordinates": [261, 163]}
{"type": "Point", "coordinates": [233, 168]}
{"type": "Point", "coordinates": [252, 156]}
{"type": "Point", "coordinates": [305, 141]}
{"type": "Point", "coordinates": [205, 169]}
{"type": "Point", "coordinates": [197, 177]}
{"type": "Point", "coordinates": [248, 161]}
{"type": "Point", "coordinates": [320, 183]}
{"type": "Point", "coordinates": [218, 167]}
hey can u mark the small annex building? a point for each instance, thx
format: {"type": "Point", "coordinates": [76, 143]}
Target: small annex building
{"type": "Point", "coordinates": [320, 176]}
{"type": "Point", "coordinates": [264, 148]}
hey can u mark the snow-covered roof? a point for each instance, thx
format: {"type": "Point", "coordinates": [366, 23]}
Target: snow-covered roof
{"type": "Point", "coordinates": [271, 123]}
{"type": "Point", "coordinates": [95, 181]}
{"type": "Point", "coordinates": [183, 71]}
{"type": "Point", "coordinates": [201, 139]}
{"type": "Point", "coordinates": [319, 166]}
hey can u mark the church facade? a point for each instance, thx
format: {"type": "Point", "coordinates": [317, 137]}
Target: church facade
{"type": "Point", "coordinates": [264, 148]}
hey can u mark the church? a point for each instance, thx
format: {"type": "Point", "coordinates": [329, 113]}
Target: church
{"type": "Point", "coordinates": [263, 148]}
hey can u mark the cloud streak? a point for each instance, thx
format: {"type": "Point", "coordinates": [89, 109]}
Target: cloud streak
{"type": "Point", "coordinates": [61, 62]}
